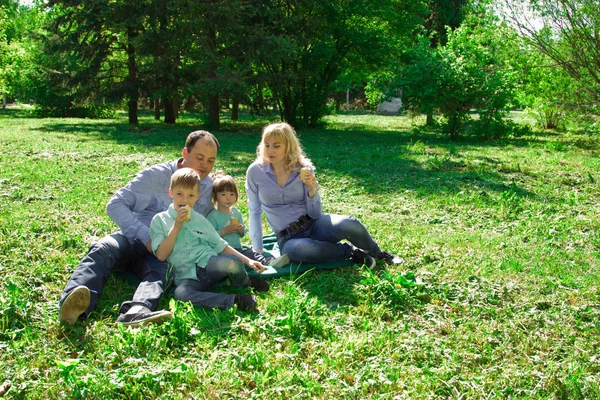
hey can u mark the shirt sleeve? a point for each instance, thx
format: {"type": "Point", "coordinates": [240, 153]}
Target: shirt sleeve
{"type": "Point", "coordinates": [157, 232]}
{"type": "Point", "coordinates": [134, 197]}
{"type": "Point", "coordinates": [314, 208]}
{"type": "Point", "coordinates": [213, 220]}
{"type": "Point", "coordinates": [215, 240]}
{"type": "Point", "coordinates": [254, 208]}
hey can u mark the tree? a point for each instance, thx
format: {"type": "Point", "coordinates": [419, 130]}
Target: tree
{"type": "Point", "coordinates": [306, 44]}
{"type": "Point", "coordinates": [468, 73]}
{"type": "Point", "coordinates": [18, 25]}
{"type": "Point", "coordinates": [90, 55]}
{"type": "Point", "coordinates": [568, 32]}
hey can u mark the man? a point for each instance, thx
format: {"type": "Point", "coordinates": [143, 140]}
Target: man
{"type": "Point", "coordinates": [130, 248]}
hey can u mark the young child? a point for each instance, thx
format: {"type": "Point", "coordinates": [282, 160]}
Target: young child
{"type": "Point", "coordinates": [200, 257]}
{"type": "Point", "coordinates": [227, 220]}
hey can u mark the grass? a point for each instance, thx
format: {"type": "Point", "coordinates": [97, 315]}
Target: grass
{"type": "Point", "coordinates": [498, 298]}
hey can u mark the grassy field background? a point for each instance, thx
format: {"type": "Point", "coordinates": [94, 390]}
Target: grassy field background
{"type": "Point", "coordinates": [498, 298]}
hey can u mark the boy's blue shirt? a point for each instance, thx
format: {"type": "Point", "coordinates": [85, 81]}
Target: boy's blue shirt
{"type": "Point", "coordinates": [196, 242]}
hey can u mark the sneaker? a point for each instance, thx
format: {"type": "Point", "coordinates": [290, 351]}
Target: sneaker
{"type": "Point", "coordinates": [246, 302]}
{"type": "Point", "coordinates": [360, 257]}
{"type": "Point", "coordinates": [390, 258]}
{"type": "Point", "coordinates": [75, 304]}
{"type": "Point", "coordinates": [144, 317]}
{"type": "Point", "coordinates": [278, 262]}
{"type": "Point", "coordinates": [260, 285]}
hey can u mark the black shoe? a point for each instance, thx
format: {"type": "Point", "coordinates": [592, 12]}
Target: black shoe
{"type": "Point", "coordinates": [360, 257]}
{"type": "Point", "coordinates": [246, 302]}
{"type": "Point", "coordinates": [144, 317]}
{"type": "Point", "coordinates": [75, 304]}
{"type": "Point", "coordinates": [260, 285]}
{"type": "Point", "coordinates": [390, 258]}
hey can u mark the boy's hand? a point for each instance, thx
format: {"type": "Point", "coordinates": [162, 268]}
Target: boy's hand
{"type": "Point", "coordinates": [229, 229]}
{"type": "Point", "coordinates": [255, 265]}
{"type": "Point", "coordinates": [183, 215]}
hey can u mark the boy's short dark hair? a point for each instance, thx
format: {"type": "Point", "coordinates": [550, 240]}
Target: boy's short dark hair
{"type": "Point", "coordinates": [185, 178]}
{"type": "Point", "coordinates": [223, 183]}
{"type": "Point", "coordinates": [193, 137]}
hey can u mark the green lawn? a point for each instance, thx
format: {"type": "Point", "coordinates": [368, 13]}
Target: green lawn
{"type": "Point", "coordinates": [501, 237]}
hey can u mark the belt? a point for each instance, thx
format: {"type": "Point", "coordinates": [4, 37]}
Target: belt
{"type": "Point", "coordinates": [295, 226]}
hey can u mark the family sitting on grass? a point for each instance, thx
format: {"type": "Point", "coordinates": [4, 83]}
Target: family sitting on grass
{"type": "Point", "coordinates": [169, 226]}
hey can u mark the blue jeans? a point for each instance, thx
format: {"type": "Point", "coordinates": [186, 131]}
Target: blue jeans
{"type": "Point", "coordinates": [217, 270]}
{"type": "Point", "coordinates": [117, 252]}
{"type": "Point", "coordinates": [320, 240]}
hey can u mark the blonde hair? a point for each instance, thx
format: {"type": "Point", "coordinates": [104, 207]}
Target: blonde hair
{"type": "Point", "coordinates": [185, 178]}
{"type": "Point", "coordinates": [284, 132]}
{"type": "Point", "coordinates": [223, 183]}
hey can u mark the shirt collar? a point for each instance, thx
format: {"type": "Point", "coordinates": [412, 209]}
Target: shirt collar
{"type": "Point", "coordinates": [269, 170]}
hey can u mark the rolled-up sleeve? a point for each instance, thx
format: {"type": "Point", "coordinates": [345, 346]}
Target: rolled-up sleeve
{"type": "Point", "coordinates": [314, 207]}
{"type": "Point", "coordinates": [126, 201]}
{"type": "Point", "coordinates": [254, 208]}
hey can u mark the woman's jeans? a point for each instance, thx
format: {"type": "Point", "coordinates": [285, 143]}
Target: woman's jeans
{"type": "Point", "coordinates": [217, 270]}
{"type": "Point", "coordinates": [118, 253]}
{"type": "Point", "coordinates": [320, 240]}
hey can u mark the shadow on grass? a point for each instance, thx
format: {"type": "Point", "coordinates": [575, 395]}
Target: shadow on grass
{"type": "Point", "coordinates": [374, 161]}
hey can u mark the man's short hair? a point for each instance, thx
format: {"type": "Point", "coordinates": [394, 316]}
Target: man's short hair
{"type": "Point", "coordinates": [185, 178]}
{"type": "Point", "coordinates": [193, 137]}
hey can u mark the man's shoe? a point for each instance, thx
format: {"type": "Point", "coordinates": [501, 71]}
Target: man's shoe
{"type": "Point", "coordinates": [360, 257]}
{"type": "Point", "coordinates": [279, 261]}
{"type": "Point", "coordinates": [390, 258]}
{"type": "Point", "coordinates": [246, 302]}
{"type": "Point", "coordinates": [75, 304]}
{"type": "Point", "coordinates": [260, 285]}
{"type": "Point", "coordinates": [144, 317]}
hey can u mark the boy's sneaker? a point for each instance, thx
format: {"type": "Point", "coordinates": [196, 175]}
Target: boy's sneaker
{"type": "Point", "coordinates": [277, 262]}
{"type": "Point", "coordinates": [390, 258]}
{"type": "Point", "coordinates": [144, 317]}
{"type": "Point", "coordinates": [260, 285]}
{"type": "Point", "coordinates": [360, 257]}
{"type": "Point", "coordinates": [246, 302]}
{"type": "Point", "coordinates": [75, 304]}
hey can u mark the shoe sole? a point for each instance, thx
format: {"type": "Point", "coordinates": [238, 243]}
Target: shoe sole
{"type": "Point", "coordinates": [76, 303]}
{"type": "Point", "coordinates": [154, 319]}
{"type": "Point", "coordinates": [280, 261]}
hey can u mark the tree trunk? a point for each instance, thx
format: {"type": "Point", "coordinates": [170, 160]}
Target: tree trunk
{"type": "Point", "coordinates": [176, 106]}
{"type": "Point", "coordinates": [348, 99]}
{"type": "Point", "coordinates": [157, 108]}
{"type": "Point", "coordinates": [169, 112]}
{"type": "Point", "coordinates": [235, 106]}
{"type": "Point", "coordinates": [213, 96]}
{"type": "Point", "coordinates": [429, 120]}
{"type": "Point", "coordinates": [213, 112]}
{"type": "Point", "coordinates": [132, 83]}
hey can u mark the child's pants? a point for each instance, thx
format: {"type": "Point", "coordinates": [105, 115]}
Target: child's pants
{"type": "Point", "coordinates": [218, 269]}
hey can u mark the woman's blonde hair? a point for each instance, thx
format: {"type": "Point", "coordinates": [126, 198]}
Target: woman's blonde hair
{"type": "Point", "coordinates": [283, 132]}
{"type": "Point", "coordinates": [223, 183]}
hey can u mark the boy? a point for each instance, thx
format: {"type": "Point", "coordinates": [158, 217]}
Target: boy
{"type": "Point", "coordinates": [200, 257]}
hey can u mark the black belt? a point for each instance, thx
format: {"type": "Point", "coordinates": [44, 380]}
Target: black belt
{"type": "Point", "coordinates": [295, 226]}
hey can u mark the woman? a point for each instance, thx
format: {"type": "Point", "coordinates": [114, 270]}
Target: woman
{"type": "Point", "coordinates": [292, 206]}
